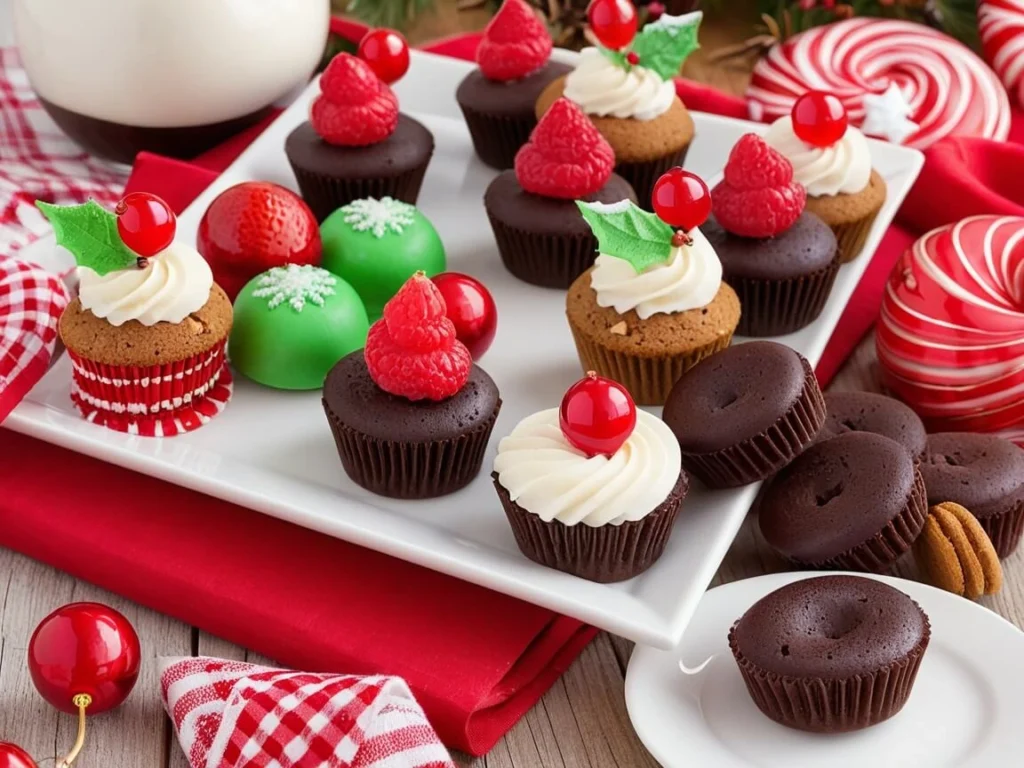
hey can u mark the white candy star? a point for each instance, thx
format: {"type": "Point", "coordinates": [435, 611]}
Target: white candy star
{"type": "Point", "coordinates": [888, 115]}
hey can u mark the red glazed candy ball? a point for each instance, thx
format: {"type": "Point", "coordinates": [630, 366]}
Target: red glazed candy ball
{"type": "Point", "coordinates": [819, 118]}
{"type": "Point", "coordinates": [145, 223]}
{"type": "Point", "coordinates": [471, 308]}
{"type": "Point", "coordinates": [386, 52]}
{"type": "Point", "coordinates": [681, 199]}
{"type": "Point", "coordinates": [13, 756]}
{"type": "Point", "coordinates": [614, 22]}
{"type": "Point", "coordinates": [597, 415]}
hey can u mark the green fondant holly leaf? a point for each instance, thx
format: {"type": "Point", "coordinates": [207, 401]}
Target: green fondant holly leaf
{"type": "Point", "coordinates": [90, 233]}
{"type": "Point", "coordinates": [628, 232]}
{"type": "Point", "coordinates": [663, 45]}
{"type": "Point", "coordinates": [618, 58]}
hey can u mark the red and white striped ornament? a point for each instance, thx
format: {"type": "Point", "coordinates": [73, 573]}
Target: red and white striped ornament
{"type": "Point", "coordinates": [950, 338]}
{"type": "Point", "coordinates": [1001, 26]}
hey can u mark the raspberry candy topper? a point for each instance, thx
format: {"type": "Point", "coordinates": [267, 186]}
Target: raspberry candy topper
{"type": "Point", "coordinates": [515, 43]}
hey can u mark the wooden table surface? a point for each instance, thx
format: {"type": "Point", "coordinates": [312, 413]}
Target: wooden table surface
{"type": "Point", "coordinates": [580, 723]}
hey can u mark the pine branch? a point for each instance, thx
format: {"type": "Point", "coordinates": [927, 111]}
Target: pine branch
{"type": "Point", "coordinates": [397, 14]}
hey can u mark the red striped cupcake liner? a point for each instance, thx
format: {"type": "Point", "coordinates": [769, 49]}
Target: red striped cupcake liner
{"type": "Point", "coordinates": [153, 401]}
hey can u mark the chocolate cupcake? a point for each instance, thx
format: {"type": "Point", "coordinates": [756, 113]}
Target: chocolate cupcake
{"type": "Point", "coordinates": [780, 260]}
{"type": "Point", "coordinates": [356, 144]}
{"type": "Point", "coordinates": [601, 510]}
{"type": "Point", "coordinates": [744, 413]}
{"type": "Point", "coordinates": [983, 473]}
{"type": "Point", "coordinates": [831, 654]}
{"type": "Point", "coordinates": [497, 99]}
{"type": "Point", "coordinates": [541, 235]}
{"type": "Point", "coordinates": [854, 502]}
{"type": "Point", "coordinates": [870, 412]}
{"type": "Point", "coordinates": [411, 431]}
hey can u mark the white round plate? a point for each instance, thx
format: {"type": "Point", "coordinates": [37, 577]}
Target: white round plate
{"type": "Point", "coordinates": [965, 709]}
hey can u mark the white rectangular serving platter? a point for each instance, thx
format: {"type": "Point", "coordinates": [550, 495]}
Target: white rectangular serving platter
{"type": "Point", "coordinates": [272, 451]}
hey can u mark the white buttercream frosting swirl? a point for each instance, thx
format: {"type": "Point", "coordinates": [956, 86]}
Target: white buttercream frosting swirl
{"type": "Point", "coordinates": [603, 88]}
{"type": "Point", "coordinates": [844, 167]}
{"type": "Point", "coordinates": [545, 475]}
{"type": "Point", "coordinates": [689, 279]}
{"type": "Point", "coordinates": [175, 283]}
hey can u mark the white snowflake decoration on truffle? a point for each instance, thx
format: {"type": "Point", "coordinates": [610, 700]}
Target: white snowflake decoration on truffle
{"type": "Point", "coordinates": [378, 216]}
{"type": "Point", "coordinates": [295, 285]}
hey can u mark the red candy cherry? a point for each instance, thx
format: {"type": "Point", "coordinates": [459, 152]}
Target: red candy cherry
{"type": "Point", "coordinates": [819, 118]}
{"type": "Point", "coordinates": [145, 223]}
{"type": "Point", "coordinates": [84, 649]}
{"type": "Point", "coordinates": [386, 52]}
{"type": "Point", "coordinates": [471, 308]}
{"type": "Point", "coordinates": [614, 22]}
{"type": "Point", "coordinates": [597, 415]}
{"type": "Point", "coordinates": [681, 199]}
{"type": "Point", "coordinates": [13, 756]}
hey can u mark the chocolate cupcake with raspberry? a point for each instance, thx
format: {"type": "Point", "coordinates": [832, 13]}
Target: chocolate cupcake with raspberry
{"type": "Point", "coordinates": [356, 144]}
{"type": "Point", "coordinates": [497, 99]}
{"type": "Point", "coordinates": [411, 414]}
{"type": "Point", "coordinates": [542, 237]}
{"type": "Point", "coordinates": [779, 258]}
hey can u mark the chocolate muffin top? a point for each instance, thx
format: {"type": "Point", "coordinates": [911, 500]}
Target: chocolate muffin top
{"type": "Point", "coordinates": [870, 412]}
{"type": "Point", "coordinates": [806, 247]}
{"type": "Point", "coordinates": [734, 395]}
{"type": "Point", "coordinates": [984, 473]}
{"type": "Point", "coordinates": [355, 400]}
{"type": "Point", "coordinates": [510, 98]}
{"type": "Point", "coordinates": [835, 496]}
{"type": "Point", "coordinates": [830, 627]}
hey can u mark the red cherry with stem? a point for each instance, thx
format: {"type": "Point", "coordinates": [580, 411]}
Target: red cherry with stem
{"type": "Point", "coordinates": [145, 223]}
{"type": "Point", "coordinates": [614, 22]}
{"type": "Point", "coordinates": [681, 199]}
{"type": "Point", "coordinates": [84, 648]}
{"type": "Point", "coordinates": [386, 52]}
{"type": "Point", "coordinates": [13, 756]}
{"type": "Point", "coordinates": [819, 118]}
{"type": "Point", "coordinates": [597, 415]}
{"type": "Point", "coordinates": [471, 308]}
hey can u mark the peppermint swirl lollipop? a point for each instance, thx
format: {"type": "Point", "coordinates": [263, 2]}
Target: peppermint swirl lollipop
{"type": "Point", "coordinates": [898, 80]}
{"type": "Point", "coordinates": [951, 334]}
{"type": "Point", "coordinates": [1001, 27]}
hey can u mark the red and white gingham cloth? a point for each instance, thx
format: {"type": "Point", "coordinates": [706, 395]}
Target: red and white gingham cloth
{"type": "Point", "coordinates": [229, 714]}
{"type": "Point", "coordinates": [37, 162]}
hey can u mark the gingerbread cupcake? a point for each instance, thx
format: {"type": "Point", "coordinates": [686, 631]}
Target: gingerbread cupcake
{"type": "Point", "coordinates": [593, 487]}
{"type": "Point", "coordinates": [541, 236]}
{"type": "Point", "coordinates": [832, 160]}
{"type": "Point", "coordinates": [411, 414]}
{"type": "Point", "coordinates": [625, 87]}
{"type": "Point", "coordinates": [780, 259]}
{"type": "Point", "coordinates": [654, 304]}
{"type": "Point", "coordinates": [356, 144]}
{"type": "Point", "coordinates": [147, 332]}
{"type": "Point", "coordinates": [498, 97]}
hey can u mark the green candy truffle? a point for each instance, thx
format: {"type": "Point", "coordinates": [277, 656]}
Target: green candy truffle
{"type": "Point", "coordinates": [376, 245]}
{"type": "Point", "coordinates": [292, 324]}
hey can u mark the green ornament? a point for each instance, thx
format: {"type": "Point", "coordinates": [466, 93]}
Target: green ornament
{"type": "Point", "coordinates": [376, 245]}
{"type": "Point", "coordinates": [292, 324]}
{"type": "Point", "coordinates": [628, 232]}
{"type": "Point", "coordinates": [89, 231]}
{"type": "Point", "coordinates": [663, 45]}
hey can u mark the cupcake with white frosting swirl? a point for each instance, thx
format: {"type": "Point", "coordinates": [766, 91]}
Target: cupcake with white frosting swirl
{"type": "Point", "coordinates": [630, 96]}
{"type": "Point", "coordinates": [591, 488]}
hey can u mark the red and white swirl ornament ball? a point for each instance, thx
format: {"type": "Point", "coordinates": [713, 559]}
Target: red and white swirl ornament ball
{"type": "Point", "coordinates": [898, 80]}
{"type": "Point", "coordinates": [951, 333]}
{"type": "Point", "coordinates": [1001, 27]}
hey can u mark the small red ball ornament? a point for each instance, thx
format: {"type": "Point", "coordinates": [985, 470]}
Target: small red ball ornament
{"type": "Point", "coordinates": [597, 415]}
{"type": "Point", "coordinates": [819, 118]}
{"type": "Point", "coordinates": [471, 308]}
{"type": "Point", "coordinates": [13, 756]}
{"type": "Point", "coordinates": [613, 22]}
{"type": "Point", "coordinates": [681, 199]}
{"type": "Point", "coordinates": [387, 53]}
{"type": "Point", "coordinates": [145, 223]}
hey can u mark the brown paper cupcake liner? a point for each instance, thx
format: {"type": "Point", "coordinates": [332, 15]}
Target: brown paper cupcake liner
{"type": "Point", "coordinates": [832, 705]}
{"type": "Point", "coordinates": [643, 175]}
{"type": "Point", "coordinates": [603, 554]}
{"type": "Point", "coordinates": [648, 379]}
{"type": "Point", "coordinates": [497, 138]}
{"type": "Point", "coordinates": [325, 194]}
{"type": "Point", "coordinates": [407, 470]}
{"type": "Point", "coordinates": [550, 261]}
{"type": "Point", "coordinates": [851, 237]}
{"type": "Point", "coordinates": [1005, 529]}
{"type": "Point", "coordinates": [777, 307]}
{"type": "Point", "coordinates": [762, 455]}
